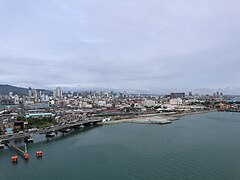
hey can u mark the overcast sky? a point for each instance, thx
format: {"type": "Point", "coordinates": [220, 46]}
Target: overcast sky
{"type": "Point", "coordinates": [149, 45]}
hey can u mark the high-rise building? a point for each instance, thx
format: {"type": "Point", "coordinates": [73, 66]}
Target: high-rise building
{"type": "Point", "coordinates": [10, 94]}
{"type": "Point", "coordinates": [57, 93]}
{"type": "Point", "coordinates": [44, 98]}
{"type": "Point", "coordinates": [29, 92]}
{"type": "Point", "coordinates": [32, 94]}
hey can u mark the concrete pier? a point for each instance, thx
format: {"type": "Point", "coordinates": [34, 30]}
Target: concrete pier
{"type": "Point", "coordinates": [17, 149]}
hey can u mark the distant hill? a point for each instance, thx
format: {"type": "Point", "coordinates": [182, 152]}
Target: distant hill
{"type": "Point", "coordinates": [5, 89]}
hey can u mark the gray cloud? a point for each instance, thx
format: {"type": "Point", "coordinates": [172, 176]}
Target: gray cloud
{"type": "Point", "coordinates": [149, 44]}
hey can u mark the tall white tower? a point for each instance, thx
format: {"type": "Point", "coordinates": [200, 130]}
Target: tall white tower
{"type": "Point", "coordinates": [57, 93]}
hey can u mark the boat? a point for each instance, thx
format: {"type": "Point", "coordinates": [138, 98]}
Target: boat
{"type": "Point", "coordinates": [165, 122]}
{"type": "Point", "coordinates": [78, 127]}
{"type": "Point", "coordinates": [65, 130]}
{"type": "Point", "coordinates": [51, 134]}
{"type": "Point", "coordinates": [82, 126]}
{"type": "Point", "coordinates": [28, 139]}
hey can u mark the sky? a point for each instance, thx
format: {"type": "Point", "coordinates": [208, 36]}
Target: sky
{"type": "Point", "coordinates": [144, 45]}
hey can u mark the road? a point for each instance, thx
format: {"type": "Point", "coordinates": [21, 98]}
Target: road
{"type": "Point", "coordinates": [48, 130]}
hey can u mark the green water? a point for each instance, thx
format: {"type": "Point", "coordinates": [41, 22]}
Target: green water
{"type": "Point", "coordinates": [205, 146]}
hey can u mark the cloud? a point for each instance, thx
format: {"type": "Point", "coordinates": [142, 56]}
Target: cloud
{"type": "Point", "coordinates": [150, 45]}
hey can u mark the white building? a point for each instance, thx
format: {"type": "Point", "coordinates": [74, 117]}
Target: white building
{"type": "Point", "coordinates": [84, 104]}
{"type": "Point", "coordinates": [44, 97]}
{"type": "Point", "coordinates": [177, 101]}
{"type": "Point", "coordinates": [149, 103]}
{"type": "Point", "coordinates": [16, 99]}
{"type": "Point", "coordinates": [10, 94]}
{"type": "Point", "coordinates": [102, 103]}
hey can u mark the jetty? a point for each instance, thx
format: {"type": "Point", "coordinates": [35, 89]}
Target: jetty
{"type": "Point", "coordinates": [22, 153]}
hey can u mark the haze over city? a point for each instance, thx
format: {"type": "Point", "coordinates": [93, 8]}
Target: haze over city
{"type": "Point", "coordinates": [147, 45]}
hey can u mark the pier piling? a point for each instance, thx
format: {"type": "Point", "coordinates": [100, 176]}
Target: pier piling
{"type": "Point", "coordinates": [23, 154]}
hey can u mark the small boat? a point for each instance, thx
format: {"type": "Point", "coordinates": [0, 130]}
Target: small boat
{"type": "Point", "coordinates": [66, 130]}
{"type": "Point", "coordinates": [51, 134]}
{"type": "Point", "coordinates": [165, 122]}
{"type": "Point", "coordinates": [79, 126]}
{"type": "Point", "coordinates": [82, 126]}
{"type": "Point", "coordinates": [28, 139]}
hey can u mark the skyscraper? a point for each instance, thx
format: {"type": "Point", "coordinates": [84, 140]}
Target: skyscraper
{"type": "Point", "coordinates": [57, 93]}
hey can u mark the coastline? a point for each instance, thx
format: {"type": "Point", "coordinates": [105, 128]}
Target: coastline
{"type": "Point", "coordinates": [193, 113]}
{"type": "Point", "coordinates": [156, 118]}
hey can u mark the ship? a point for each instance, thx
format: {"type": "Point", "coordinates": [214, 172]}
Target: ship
{"type": "Point", "coordinates": [51, 134]}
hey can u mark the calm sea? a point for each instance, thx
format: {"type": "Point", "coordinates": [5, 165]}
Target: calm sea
{"type": "Point", "coordinates": [197, 147]}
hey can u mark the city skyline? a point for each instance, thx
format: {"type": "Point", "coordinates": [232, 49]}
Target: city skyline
{"type": "Point", "coordinates": [59, 91]}
{"type": "Point", "coordinates": [148, 46]}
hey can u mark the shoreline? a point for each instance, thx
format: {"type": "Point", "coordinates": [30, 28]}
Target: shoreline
{"type": "Point", "coordinates": [156, 118]}
{"type": "Point", "coordinates": [193, 113]}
